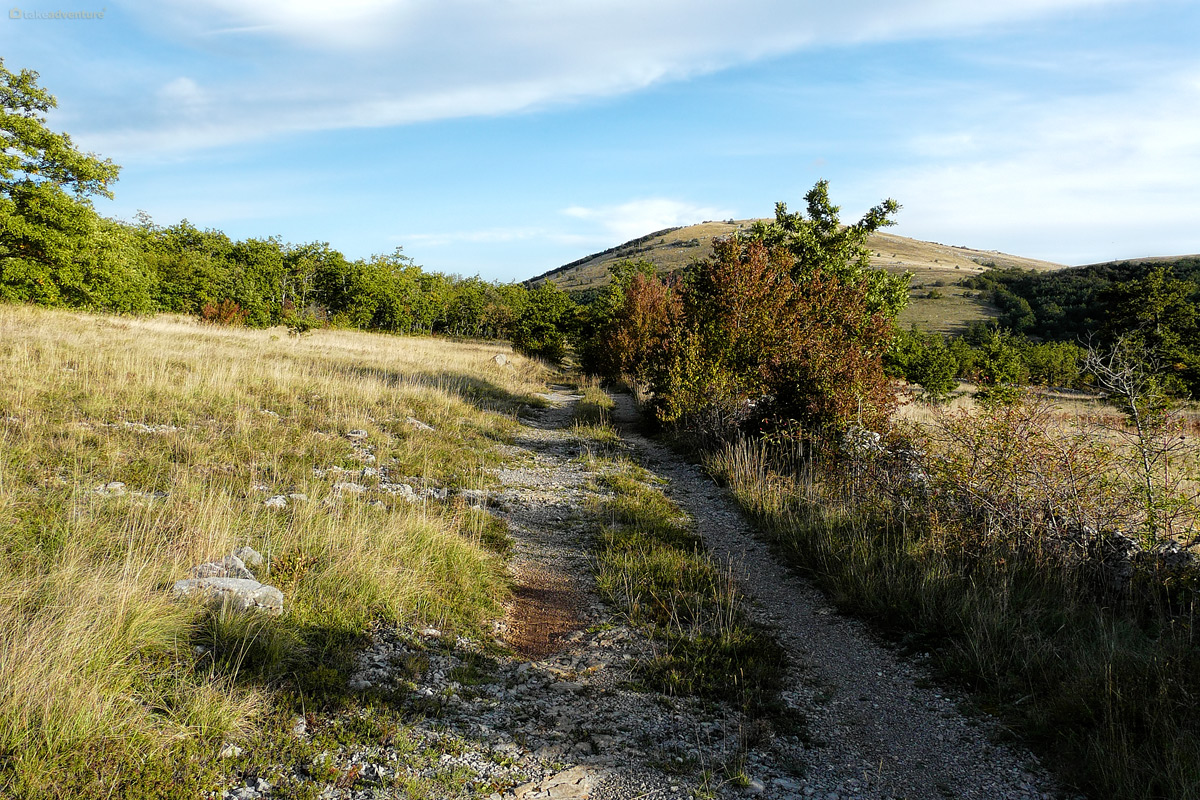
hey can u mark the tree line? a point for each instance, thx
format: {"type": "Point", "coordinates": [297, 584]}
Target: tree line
{"type": "Point", "coordinates": [783, 323]}
{"type": "Point", "coordinates": [1152, 306]}
{"type": "Point", "coordinates": [56, 250]}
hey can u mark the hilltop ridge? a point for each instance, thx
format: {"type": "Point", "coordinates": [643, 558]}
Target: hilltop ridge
{"type": "Point", "coordinates": [936, 301]}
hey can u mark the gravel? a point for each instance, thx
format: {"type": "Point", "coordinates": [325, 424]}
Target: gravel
{"type": "Point", "coordinates": [563, 717]}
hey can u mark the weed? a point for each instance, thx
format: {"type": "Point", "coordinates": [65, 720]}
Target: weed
{"type": "Point", "coordinates": [1102, 688]}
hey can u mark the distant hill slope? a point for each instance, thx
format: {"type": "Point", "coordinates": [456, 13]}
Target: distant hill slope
{"type": "Point", "coordinates": [936, 269]}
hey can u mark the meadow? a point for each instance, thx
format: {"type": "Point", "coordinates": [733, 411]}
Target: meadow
{"type": "Point", "coordinates": [133, 449]}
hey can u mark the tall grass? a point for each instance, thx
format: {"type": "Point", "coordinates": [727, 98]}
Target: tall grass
{"type": "Point", "coordinates": [108, 687]}
{"type": "Point", "coordinates": [1103, 686]}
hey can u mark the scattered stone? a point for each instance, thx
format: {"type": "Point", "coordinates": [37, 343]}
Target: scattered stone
{"type": "Point", "coordinates": [238, 594]}
{"type": "Point", "coordinates": [416, 423]}
{"type": "Point", "coordinates": [357, 433]}
{"type": "Point", "coordinates": [277, 501]}
{"type": "Point", "coordinates": [249, 557]}
{"type": "Point", "coordinates": [575, 783]}
{"type": "Point", "coordinates": [230, 751]}
{"type": "Point", "coordinates": [299, 497]}
{"type": "Point", "coordinates": [500, 359]}
{"type": "Point", "coordinates": [755, 786]}
{"type": "Point", "coordinates": [349, 486]}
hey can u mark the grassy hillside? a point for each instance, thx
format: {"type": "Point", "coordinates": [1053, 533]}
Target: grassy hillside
{"type": "Point", "coordinates": [132, 450]}
{"type": "Point", "coordinates": [936, 269]}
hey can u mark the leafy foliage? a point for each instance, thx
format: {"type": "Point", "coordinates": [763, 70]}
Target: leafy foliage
{"type": "Point", "coordinates": [544, 324]}
{"type": "Point", "coordinates": [821, 242]}
{"type": "Point", "coordinates": [781, 326]}
{"type": "Point", "coordinates": [1155, 302]}
{"type": "Point", "coordinates": [47, 226]}
{"type": "Point", "coordinates": [924, 359]}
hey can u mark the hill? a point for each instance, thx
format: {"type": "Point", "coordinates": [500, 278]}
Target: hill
{"type": "Point", "coordinates": [936, 269]}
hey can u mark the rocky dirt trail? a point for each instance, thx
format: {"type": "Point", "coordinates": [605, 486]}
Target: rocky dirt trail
{"type": "Point", "coordinates": [885, 729]}
{"type": "Point", "coordinates": [563, 717]}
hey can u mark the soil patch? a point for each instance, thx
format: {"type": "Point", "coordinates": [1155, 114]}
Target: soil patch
{"type": "Point", "coordinates": [542, 615]}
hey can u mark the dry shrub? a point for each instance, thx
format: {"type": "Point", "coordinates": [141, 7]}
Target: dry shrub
{"type": "Point", "coordinates": [226, 312]}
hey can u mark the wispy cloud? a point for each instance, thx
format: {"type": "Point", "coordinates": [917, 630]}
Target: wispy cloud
{"type": "Point", "coordinates": [639, 217]}
{"type": "Point", "coordinates": [317, 65]}
{"type": "Point", "coordinates": [1073, 177]}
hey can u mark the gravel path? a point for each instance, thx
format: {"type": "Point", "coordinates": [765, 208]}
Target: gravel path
{"type": "Point", "coordinates": [563, 718]}
{"type": "Point", "coordinates": [885, 734]}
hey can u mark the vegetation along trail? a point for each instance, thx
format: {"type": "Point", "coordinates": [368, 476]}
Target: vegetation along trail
{"type": "Point", "coordinates": [573, 707]}
{"type": "Point", "coordinates": [876, 726]}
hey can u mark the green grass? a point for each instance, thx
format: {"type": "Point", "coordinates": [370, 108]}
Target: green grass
{"type": "Point", "coordinates": [110, 688]}
{"type": "Point", "coordinates": [652, 565]}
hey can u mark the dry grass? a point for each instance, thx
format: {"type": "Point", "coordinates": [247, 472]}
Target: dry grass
{"type": "Point", "coordinates": [106, 683]}
{"type": "Point", "coordinates": [955, 549]}
{"type": "Point", "coordinates": [929, 261]}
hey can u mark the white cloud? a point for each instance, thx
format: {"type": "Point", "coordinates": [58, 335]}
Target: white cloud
{"type": "Point", "coordinates": [1067, 182]}
{"type": "Point", "coordinates": [311, 65]}
{"type": "Point", "coordinates": [640, 217]}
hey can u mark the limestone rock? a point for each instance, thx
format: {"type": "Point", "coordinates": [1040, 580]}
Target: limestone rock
{"type": "Point", "coordinates": [249, 556]}
{"type": "Point", "coordinates": [575, 783]}
{"type": "Point", "coordinates": [228, 567]}
{"type": "Point", "coordinates": [239, 594]}
{"type": "Point", "coordinates": [500, 359]}
{"type": "Point", "coordinates": [278, 501]}
{"type": "Point", "coordinates": [416, 423]}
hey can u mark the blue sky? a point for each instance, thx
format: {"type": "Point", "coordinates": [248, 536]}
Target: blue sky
{"type": "Point", "coordinates": [507, 138]}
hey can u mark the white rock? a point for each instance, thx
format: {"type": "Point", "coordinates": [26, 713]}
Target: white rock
{"type": "Point", "coordinates": [228, 567]}
{"type": "Point", "coordinates": [421, 426]}
{"type": "Point", "coordinates": [278, 501]}
{"type": "Point", "coordinates": [500, 359]}
{"type": "Point", "coordinates": [230, 751]}
{"type": "Point", "coordinates": [249, 556]}
{"type": "Point", "coordinates": [240, 594]}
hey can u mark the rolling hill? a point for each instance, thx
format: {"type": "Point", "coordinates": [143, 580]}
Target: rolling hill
{"type": "Point", "coordinates": [936, 269]}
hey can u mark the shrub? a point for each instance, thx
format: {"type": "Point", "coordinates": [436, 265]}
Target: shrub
{"type": "Point", "coordinates": [543, 327]}
{"type": "Point", "coordinates": [226, 312]}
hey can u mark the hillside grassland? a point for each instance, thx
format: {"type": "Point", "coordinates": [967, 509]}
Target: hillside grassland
{"type": "Point", "coordinates": [133, 449]}
{"type": "Point", "coordinates": [935, 267]}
